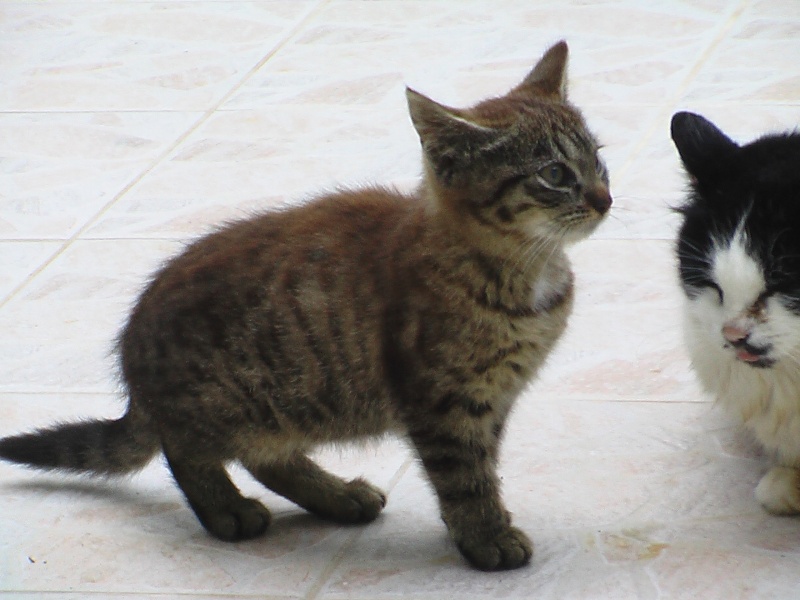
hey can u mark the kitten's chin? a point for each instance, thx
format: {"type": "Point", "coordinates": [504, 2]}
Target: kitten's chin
{"type": "Point", "coordinates": [561, 235]}
{"type": "Point", "coordinates": [580, 232]}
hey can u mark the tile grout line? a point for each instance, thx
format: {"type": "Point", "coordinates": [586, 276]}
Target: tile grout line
{"type": "Point", "coordinates": [669, 104]}
{"type": "Point", "coordinates": [166, 595]}
{"type": "Point", "coordinates": [338, 558]}
{"type": "Point", "coordinates": [68, 242]}
{"type": "Point", "coordinates": [602, 104]}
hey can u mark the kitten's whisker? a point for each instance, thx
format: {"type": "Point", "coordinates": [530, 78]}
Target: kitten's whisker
{"type": "Point", "coordinates": [519, 254]}
{"type": "Point", "coordinates": [555, 242]}
{"type": "Point", "coordinates": [698, 253]}
{"type": "Point", "coordinates": [617, 208]}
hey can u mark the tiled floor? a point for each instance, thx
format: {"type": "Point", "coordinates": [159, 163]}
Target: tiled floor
{"type": "Point", "coordinates": [127, 127]}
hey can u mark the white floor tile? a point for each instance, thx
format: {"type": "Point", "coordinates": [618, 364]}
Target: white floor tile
{"type": "Point", "coordinates": [129, 127]}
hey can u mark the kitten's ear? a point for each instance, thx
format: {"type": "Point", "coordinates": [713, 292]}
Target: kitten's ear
{"type": "Point", "coordinates": [704, 149]}
{"type": "Point", "coordinates": [549, 77]}
{"type": "Point", "coordinates": [449, 137]}
{"type": "Point", "coordinates": [431, 118]}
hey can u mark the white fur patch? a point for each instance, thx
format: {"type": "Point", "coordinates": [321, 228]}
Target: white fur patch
{"type": "Point", "coordinates": [779, 491]}
{"type": "Point", "coordinates": [738, 275]}
{"type": "Point", "coordinates": [552, 286]}
{"type": "Point", "coordinates": [767, 399]}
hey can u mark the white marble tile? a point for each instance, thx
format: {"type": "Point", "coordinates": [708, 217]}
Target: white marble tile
{"type": "Point", "coordinates": [244, 161]}
{"type": "Point", "coordinates": [58, 170]}
{"type": "Point", "coordinates": [60, 329]}
{"type": "Point", "coordinates": [69, 533]}
{"type": "Point", "coordinates": [624, 338]}
{"type": "Point", "coordinates": [756, 62]}
{"type": "Point", "coordinates": [383, 44]}
{"type": "Point", "coordinates": [140, 124]}
{"type": "Point", "coordinates": [719, 573]}
{"type": "Point", "coordinates": [611, 494]}
{"type": "Point", "coordinates": [135, 56]}
{"type": "Point", "coordinates": [21, 260]}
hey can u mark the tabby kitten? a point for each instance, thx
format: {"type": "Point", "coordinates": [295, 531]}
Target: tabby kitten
{"type": "Point", "coordinates": [739, 261]}
{"type": "Point", "coordinates": [361, 313]}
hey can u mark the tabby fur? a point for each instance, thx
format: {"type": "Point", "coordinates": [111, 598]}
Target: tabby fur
{"type": "Point", "coordinates": [358, 314]}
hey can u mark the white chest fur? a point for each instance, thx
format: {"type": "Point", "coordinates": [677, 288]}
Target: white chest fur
{"type": "Point", "coordinates": [767, 400]}
{"type": "Point", "coordinates": [553, 284]}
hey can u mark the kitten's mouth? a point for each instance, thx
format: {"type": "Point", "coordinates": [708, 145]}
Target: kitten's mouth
{"type": "Point", "coordinates": [755, 357]}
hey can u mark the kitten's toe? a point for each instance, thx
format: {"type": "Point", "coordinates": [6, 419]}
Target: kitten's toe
{"type": "Point", "coordinates": [779, 491]}
{"type": "Point", "coordinates": [509, 549]}
{"type": "Point", "coordinates": [369, 500]}
{"type": "Point", "coordinates": [358, 501]}
{"type": "Point", "coordinates": [243, 520]}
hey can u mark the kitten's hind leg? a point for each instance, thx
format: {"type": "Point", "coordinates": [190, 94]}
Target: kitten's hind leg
{"type": "Point", "coordinates": [779, 491]}
{"type": "Point", "coordinates": [219, 506]}
{"type": "Point", "coordinates": [305, 483]}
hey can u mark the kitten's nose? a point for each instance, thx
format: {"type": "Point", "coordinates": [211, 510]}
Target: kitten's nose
{"type": "Point", "coordinates": [734, 334]}
{"type": "Point", "coordinates": [599, 199]}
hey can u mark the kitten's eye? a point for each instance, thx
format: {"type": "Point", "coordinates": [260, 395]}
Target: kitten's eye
{"type": "Point", "coordinates": [599, 167]}
{"type": "Point", "coordinates": [717, 289]}
{"type": "Point", "coordinates": [556, 175]}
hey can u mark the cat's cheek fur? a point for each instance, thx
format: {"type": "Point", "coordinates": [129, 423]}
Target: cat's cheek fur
{"type": "Point", "coordinates": [765, 400]}
{"type": "Point", "coordinates": [784, 331]}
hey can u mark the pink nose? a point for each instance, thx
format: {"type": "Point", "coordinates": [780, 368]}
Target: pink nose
{"type": "Point", "coordinates": [733, 334]}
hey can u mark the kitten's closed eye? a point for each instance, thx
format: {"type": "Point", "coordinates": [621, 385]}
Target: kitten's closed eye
{"type": "Point", "coordinates": [720, 294]}
{"type": "Point", "coordinates": [697, 285]}
{"type": "Point", "coordinates": [763, 297]}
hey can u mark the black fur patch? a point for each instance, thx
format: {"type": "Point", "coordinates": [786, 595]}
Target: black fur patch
{"type": "Point", "coordinates": [755, 187]}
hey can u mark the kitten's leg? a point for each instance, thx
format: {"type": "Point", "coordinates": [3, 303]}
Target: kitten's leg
{"type": "Point", "coordinates": [462, 471]}
{"type": "Point", "coordinates": [303, 482]}
{"type": "Point", "coordinates": [779, 491]}
{"type": "Point", "coordinates": [219, 506]}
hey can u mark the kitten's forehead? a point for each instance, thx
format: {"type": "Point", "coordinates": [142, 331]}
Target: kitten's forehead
{"type": "Point", "coordinates": [535, 117]}
{"type": "Point", "coordinates": [574, 144]}
{"type": "Point", "coordinates": [559, 131]}
{"type": "Point", "coordinates": [737, 271]}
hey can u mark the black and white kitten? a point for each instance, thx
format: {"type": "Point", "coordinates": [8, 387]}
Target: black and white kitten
{"type": "Point", "coordinates": [739, 263]}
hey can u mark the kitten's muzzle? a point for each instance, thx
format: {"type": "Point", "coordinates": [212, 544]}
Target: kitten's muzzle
{"type": "Point", "coordinates": [599, 198]}
{"type": "Point", "coordinates": [755, 356]}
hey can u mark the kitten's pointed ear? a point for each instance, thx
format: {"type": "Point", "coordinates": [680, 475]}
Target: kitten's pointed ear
{"type": "Point", "coordinates": [450, 139]}
{"type": "Point", "coordinates": [704, 149]}
{"type": "Point", "coordinates": [431, 118]}
{"type": "Point", "coordinates": [549, 76]}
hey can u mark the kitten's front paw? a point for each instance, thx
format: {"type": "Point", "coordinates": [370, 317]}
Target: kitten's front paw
{"type": "Point", "coordinates": [241, 520]}
{"type": "Point", "coordinates": [509, 549]}
{"type": "Point", "coordinates": [779, 491]}
{"type": "Point", "coordinates": [365, 501]}
{"type": "Point", "coordinates": [358, 501]}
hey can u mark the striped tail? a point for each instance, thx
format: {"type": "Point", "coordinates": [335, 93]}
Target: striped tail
{"type": "Point", "coordinates": [98, 447]}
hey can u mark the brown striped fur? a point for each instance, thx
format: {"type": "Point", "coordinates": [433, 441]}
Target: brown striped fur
{"type": "Point", "coordinates": [361, 313]}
